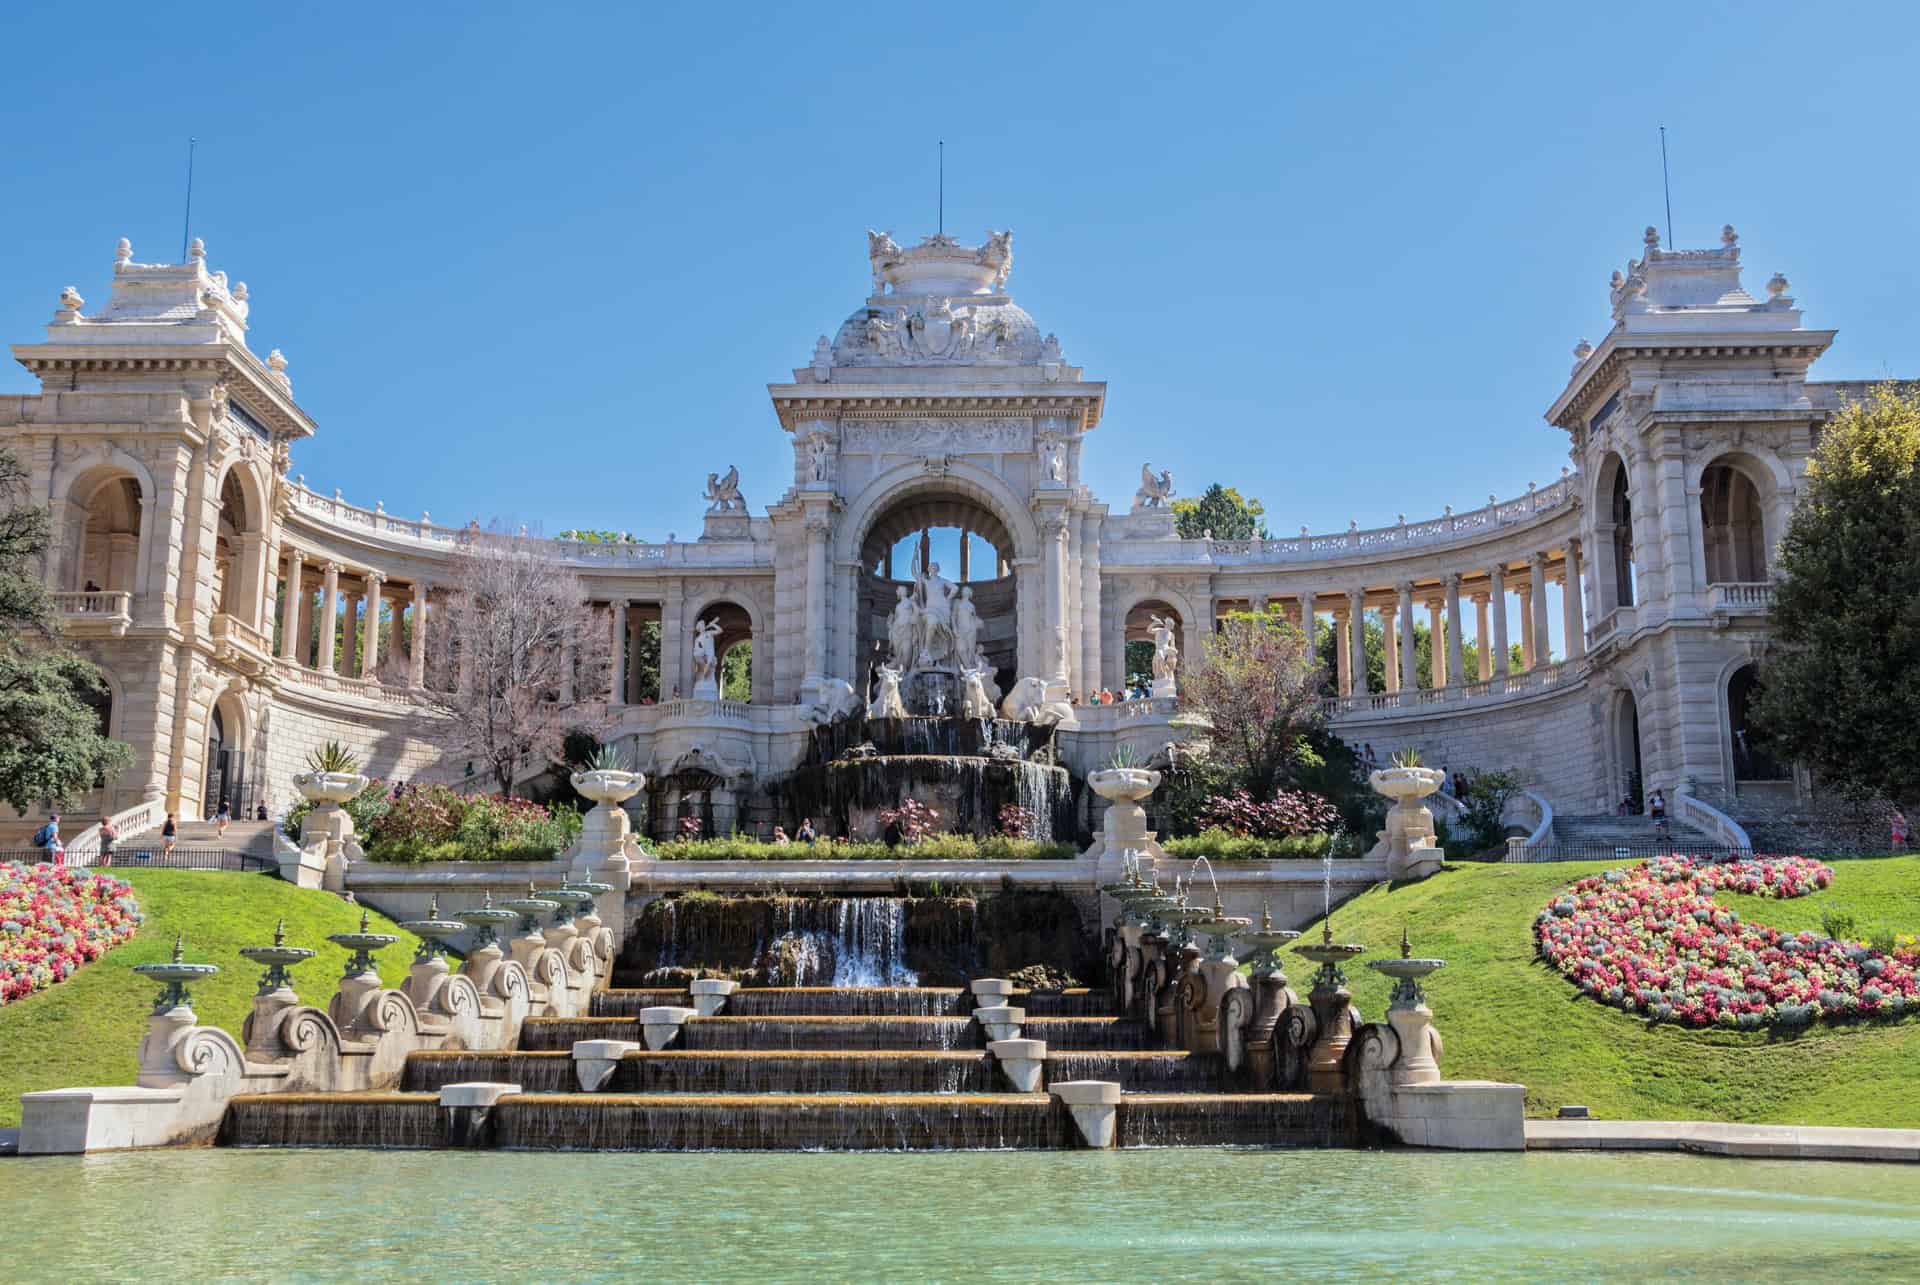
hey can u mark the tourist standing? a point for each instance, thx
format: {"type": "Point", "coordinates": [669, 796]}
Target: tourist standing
{"type": "Point", "coordinates": [169, 834]}
{"type": "Point", "coordinates": [1657, 809]}
{"type": "Point", "coordinates": [780, 839]}
{"type": "Point", "coordinates": [108, 834]}
{"type": "Point", "coordinates": [1366, 756]}
{"type": "Point", "coordinates": [805, 833]}
{"type": "Point", "coordinates": [1899, 830]}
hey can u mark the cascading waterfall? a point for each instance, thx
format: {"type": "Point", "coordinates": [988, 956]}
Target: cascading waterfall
{"type": "Point", "coordinates": [755, 1071]}
{"type": "Point", "coordinates": [544, 1072]}
{"type": "Point", "coordinates": [334, 1120]}
{"type": "Point", "coordinates": [783, 1033]}
{"type": "Point", "coordinates": [952, 1122]}
{"type": "Point", "coordinates": [1144, 1071]}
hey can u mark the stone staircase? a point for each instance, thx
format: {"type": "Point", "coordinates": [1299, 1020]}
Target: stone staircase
{"type": "Point", "coordinates": [250, 838]}
{"type": "Point", "coordinates": [812, 1068]}
{"type": "Point", "coordinates": [1601, 836]}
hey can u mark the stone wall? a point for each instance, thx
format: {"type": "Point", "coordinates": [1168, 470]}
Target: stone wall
{"type": "Point", "coordinates": [390, 742]}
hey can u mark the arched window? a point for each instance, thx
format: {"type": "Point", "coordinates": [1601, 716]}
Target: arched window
{"type": "Point", "coordinates": [1731, 526]}
{"type": "Point", "coordinates": [1622, 515]}
{"type": "Point", "coordinates": [1751, 759]}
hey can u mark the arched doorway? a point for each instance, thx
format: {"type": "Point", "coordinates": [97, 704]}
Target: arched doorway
{"type": "Point", "coordinates": [1137, 671]}
{"type": "Point", "coordinates": [227, 760]}
{"type": "Point", "coordinates": [1751, 759]}
{"type": "Point", "coordinates": [1732, 526]}
{"type": "Point", "coordinates": [1628, 768]}
{"type": "Point", "coordinates": [964, 553]}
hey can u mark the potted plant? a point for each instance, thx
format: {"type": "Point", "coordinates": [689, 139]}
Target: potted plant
{"type": "Point", "coordinates": [1122, 778]}
{"type": "Point", "coordinates": [1405, 779]}
{"type": "Point", "coordinates": [607, 776]}
{"type": "Point", "coordinates": [333, 775]}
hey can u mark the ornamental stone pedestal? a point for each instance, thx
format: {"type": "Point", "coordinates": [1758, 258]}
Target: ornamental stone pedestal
{"type": "Point", "coordinates": [1124, 827]}
{"type": "Point", "coordinates": [1408, 844]}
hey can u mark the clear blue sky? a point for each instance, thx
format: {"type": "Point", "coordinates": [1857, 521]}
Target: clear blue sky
{"type": "Point", "coordinates": [538, 263]}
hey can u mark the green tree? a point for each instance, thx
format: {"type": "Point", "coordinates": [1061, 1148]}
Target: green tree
{"type": "Point", "coordinates": [736, 672]}
{"type": "Point", "coordinates": [1841, 682]}
{"type": "Point", "coordinates": [1221, 510]}
{"type": "Point", "coordinates": [1258, 686]}
{"type": "Point", "coordinates": [52, 746]}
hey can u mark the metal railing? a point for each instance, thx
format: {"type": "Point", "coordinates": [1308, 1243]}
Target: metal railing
{"type": "Point", "coordinates": [149, 856]}
{"type": "Point", "coordinates": [1625, 850]}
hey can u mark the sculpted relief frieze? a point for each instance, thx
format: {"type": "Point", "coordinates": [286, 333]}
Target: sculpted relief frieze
{"type": "Point", "coordinates": [927, 436]}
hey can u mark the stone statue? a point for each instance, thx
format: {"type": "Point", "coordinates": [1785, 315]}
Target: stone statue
{"type": "Point", "coordinates": [935, 593]}
{"type": "Point", "coordinates": [818, 457]}
{"type": "Point", "coordinates": [881, 250]}
{"type": "Point", "coordinates": [1053, 458]}
{"type": "Point", "coordinates": [836, 700]}
{"type": "Point", "coordinates": [903, 628]}
{"type": "Point", "coordinates": [1028, 703]}
{"type": "Point", "coordinates": [1154, 491]}
{"type": "Point", "coordinates": [966, 627]}
{"type": "Point", "coordinates": [884, 334]}
{"type": "Point", "coordinates": [1166, 654]}
{"type": "Point", "coordinates": [887, 703]}
{"type": "Point", "coordinates": [706, 666]}
{"type": "Point", "coordinates": [997, 254]}
{"type": "Point", "coordinates": [985, 666]}
{"type": "Point", "coordinates": [723, 493]}
{"type": "Point", "coordinates": [974, 702]}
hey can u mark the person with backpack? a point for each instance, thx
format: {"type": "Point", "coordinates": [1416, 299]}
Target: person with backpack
{"type": "Point", "coordinates": [108, 835]}
{"type": "Point", "coordinates": [47, 838]}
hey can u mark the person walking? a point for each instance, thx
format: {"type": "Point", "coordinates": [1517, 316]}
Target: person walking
{"type": "Point", "coordinates": [222, 819]}
{"type": "Point", "coordinates": [1899, 830]}
{"type": "Point", "coordinates": [1657, 809]}
{"type": "Point", "coordinates": [108, 836]}
{"type": "Point", "coordinates": [47, 839]}
{"type": "Point", "coordinates": [169, 834]}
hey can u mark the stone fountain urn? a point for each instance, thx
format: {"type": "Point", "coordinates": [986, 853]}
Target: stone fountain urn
{"type": "Point", "coordinates": [1270, 994]}
{"type": "Point", "coordinates": [601, 849]}
{"type": "Point", "coordinates": [327, 832]}
{"type": "Point", "coordinates": [1124, 830]}
{"type": "Point", "coordinates": [276, 994]}
{"type": "Point", "coordinates": [360, 984]}
{"type": "Point", "coordinates": [172, 1016]}
{"type": "Point", "coordinates": [484, 954]}
{"type": "Point", "coordinates": [531, 908]}
{"type": "Point", "coordinates": [1333, 1012]}
{"type": "Point", "coordinates": [1212, 980]}
{"type": "Point", "coordinates": [1408, 845]}
{"type": "Point", "coordinates": [1411, 1019]}
{"type": "Point", "coordinates": [430, 970]}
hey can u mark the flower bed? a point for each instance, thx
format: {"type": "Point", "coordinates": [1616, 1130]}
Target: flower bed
{"type": "Point", "coordinates": [1651, 940]}
{"type": "Point", "coordinates": [54, 919]}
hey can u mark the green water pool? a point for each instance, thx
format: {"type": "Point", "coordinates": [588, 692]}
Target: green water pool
{"type": "Point", "coordinates": [293, 1216]}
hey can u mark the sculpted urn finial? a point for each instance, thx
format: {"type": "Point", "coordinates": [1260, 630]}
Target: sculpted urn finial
{"type": "Point", "coordinates": [1728, 237]}
{"type": "Point", "coordinates": [198, 250]}
{"type": "Point", "coordinates": [1776, 286]}
{"type": "Point", "coordinates": [1651, 237]}
{"type": "Point", "coordinates": [122, 252]}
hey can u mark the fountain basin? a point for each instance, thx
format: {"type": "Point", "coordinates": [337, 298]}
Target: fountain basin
{"type": "Point", "coordinates": [329, 787]}
{"type": "Point", "coordinates": [1405, 783]}
{"type": "Point", "coordinates": [1128, 784]}
{"type": "Point", "coordinates": [1406, 974]}
{"type": "Point", "coordinates": [608, 787]}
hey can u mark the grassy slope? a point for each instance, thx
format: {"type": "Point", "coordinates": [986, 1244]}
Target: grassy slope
{"type": "Point", "coordinates": [1505, 1016]}
{"type": "Point", "coordinates": [86, 1030]}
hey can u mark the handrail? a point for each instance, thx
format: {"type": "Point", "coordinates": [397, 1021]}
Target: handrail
{"type": "Point", "coordinates": [138, 819]}
{"type": "Point", "coordinates": [1531, 682]}
{"type": "Point", "coordinates": [1450, 526]}
{"type": "Point", "coordinates": [1702, 815]}
{"type": "Point", "coordinates": [1544, 830]}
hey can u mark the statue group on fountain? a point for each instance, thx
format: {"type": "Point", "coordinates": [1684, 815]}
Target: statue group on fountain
{"type": "Point", "coordinates": [934, 626]}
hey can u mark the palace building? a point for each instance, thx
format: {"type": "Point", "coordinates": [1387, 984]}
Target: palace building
{"type": "Point", "coordinates": [197, 568]}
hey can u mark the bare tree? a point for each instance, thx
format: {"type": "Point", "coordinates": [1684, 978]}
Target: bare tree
{"type": "Point", "coordinates": [1259, 687]}
{"type": "Point", "coordinates": [516, 657]}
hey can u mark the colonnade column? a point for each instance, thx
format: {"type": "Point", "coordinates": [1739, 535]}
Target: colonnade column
{"type": "Point", "coordinates": [1436, 645]}
{"type": "Point", "coordinates": [329, 610]}
{"type": "Point", "coordinates": [350, 633]}
{"type": "Point", "coordinates": [1498, 575]}
{"type": "Point", "coordinates": [1456, 654]}
{"type": "Point", "coordinates": [616, 657]}
{"type": "Point", "coordinates": [1572, 618]}
{"type": "Point", "coordinates": [1357, 634]}
{"type": "Point", "coordinates": [817, 521]}
{"type": "Point", "coordinates": [417, 657]}
{"type": "Point", "coordinates": [1481, 643]}
{"type": "Point", "coordinates": [1390, 639]}
{"type": "Point", "coordinates": [370, 649]}
{"type": "Point", "coordinates": [1342, 656]}
{"type": "Point", "coordinates": [1542, 646]}
{"type": "Point", "coordinates": [1090, 602]}
{"type": "Point", "coordinates": [1309, 623]}
{"type": "Point", "coordinates": [1525, 590]}
{"type": "Point", "coordinates": [634, 624]}
{"type": "Point", "coordinates": [1409, 662]}
{"type": "Point", "coordinates": [1054, 643]}
{"type": "Point", "coordinates": [290, 605]}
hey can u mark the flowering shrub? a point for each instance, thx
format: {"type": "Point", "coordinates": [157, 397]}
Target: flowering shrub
{"type": "Point", "coordinates": [689, 827]}
{"type": "Point", "coordinates": [1651, 940]}
{"type": "Point", "coordinates": [1017, 822]}
{"type": "Point", "coordinates": [913, 819]}
{"type": "Point", "coordinates": [53, 919]}
{"type": "Point", "coordinates": [366, 808]}
{"type": "Point", "coordinates": [1290, 812]}
{"type": "Point", "coordinates": [438, 823]}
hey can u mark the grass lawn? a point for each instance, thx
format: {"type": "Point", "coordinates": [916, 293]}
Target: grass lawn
{"type": "Point", "coordinates": [1506, 1016]}
{"type": "Point", "coordinates": [87, 1030]}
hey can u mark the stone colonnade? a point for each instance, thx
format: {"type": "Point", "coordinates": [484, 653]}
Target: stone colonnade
{"type": "Point", "coordinates": [1446, 600]}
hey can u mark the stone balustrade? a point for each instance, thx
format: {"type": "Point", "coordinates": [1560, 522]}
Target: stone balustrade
{"type": "Point", "coordinates": [1741, 597]}
{"type": "Point", "coordinates": [93, 611]}
{"type": "Point", "coordinates": [1526, 683]}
